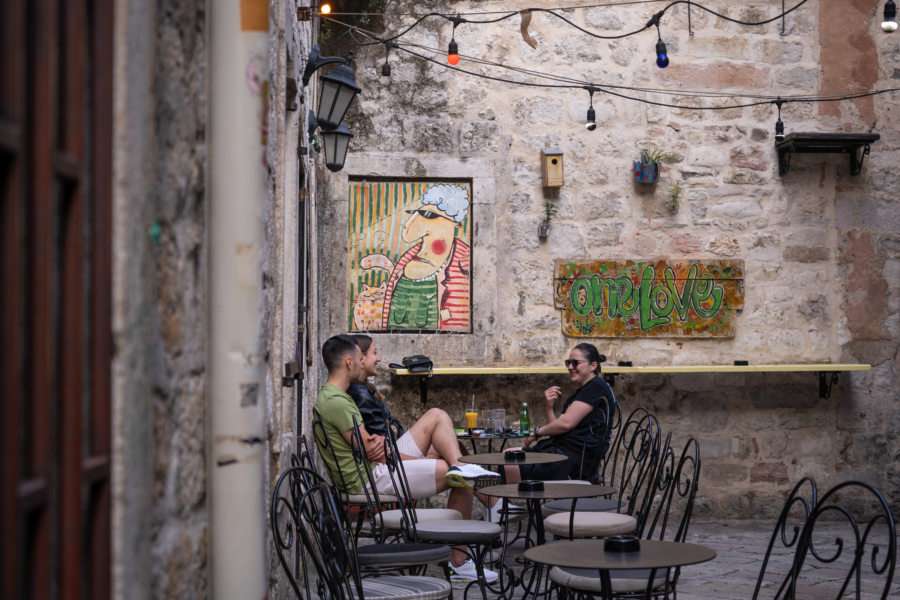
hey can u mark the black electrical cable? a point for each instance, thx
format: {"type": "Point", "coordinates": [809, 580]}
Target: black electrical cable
{"type": "Point", "coordinates": [568, 83]}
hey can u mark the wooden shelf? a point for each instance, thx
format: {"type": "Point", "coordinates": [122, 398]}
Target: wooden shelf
{"type": "Point", "coordinates": [827, 372]}
{"type": "Point", "coordinates": [854, 144]}
{"type": "Point", "coordinates": [809, 367]}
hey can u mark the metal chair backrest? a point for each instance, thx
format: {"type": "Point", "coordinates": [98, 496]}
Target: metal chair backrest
{"type": "Point", "coordinates": [851, 533]}
{"type": "Point", "coordinates": [311, 539]}
{"type": "Point", "coordinates": [634, 461]}
{"type": "Point", "coordinates": [672, 496]}
{"type": "Point", "coordinates": [406, 504]}
{"type": "Point", "coordinates": [614, 427]}
{"type": "Point", "coordinates": [782, 547]}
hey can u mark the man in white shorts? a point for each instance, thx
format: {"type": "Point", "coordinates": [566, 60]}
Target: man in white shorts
{"type": "Point", "coordinates": [426, 476]}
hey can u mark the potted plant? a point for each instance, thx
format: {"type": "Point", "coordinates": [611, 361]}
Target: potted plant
{"type": "Point", "coordinates": [646, 170]}
{"type": "Point", "coordinates": [544, 227]}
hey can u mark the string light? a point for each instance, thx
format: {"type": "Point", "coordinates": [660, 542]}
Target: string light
{"type": "Point", "coordinates": [325, 9]}
{"type": "Point", "coordinates": [889, 24]}
{"type": "Point", "coordinates": [452, 49]}
{"type": "Point", "coordinates": [662, 59]}
{"type": "Point", "coordinates": [779, 125]}
{"type": "Point", "coordinates": [591, 123]}
{"type": "Point", "coordinates": [453, 53]}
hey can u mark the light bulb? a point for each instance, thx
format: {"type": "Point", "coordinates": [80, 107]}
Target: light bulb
{"type": "Point", "coordinates": [662, 59]}
{"type": "Point", "coordinates": [779, 130]}
{"type": "Point", "coordinates": [453, 53]}
{"type": "Point", "coordinates": [889, 24]}
{"type": "Point", "coordinates": [386, 69]}
{"type": "Point", "coordinates": [591, 123]}
{"type": "Point", "coordinates": [325, 9]}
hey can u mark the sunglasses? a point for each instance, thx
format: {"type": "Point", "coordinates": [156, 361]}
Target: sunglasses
{"type": "Point", "coordinates": [573, 362]}
{"type": "Point", "coordinates": [430, 215]}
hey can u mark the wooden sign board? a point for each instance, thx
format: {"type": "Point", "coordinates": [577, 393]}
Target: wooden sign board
{"type": "Point", "coordinates": [639, 298]}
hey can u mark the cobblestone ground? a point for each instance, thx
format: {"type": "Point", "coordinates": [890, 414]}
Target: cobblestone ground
{"type": "Point", "coordinates": [739, 546]}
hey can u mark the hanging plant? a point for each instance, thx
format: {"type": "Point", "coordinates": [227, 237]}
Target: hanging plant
{"type": "Point", "coordinates": [647, 169]}
{"type": "Point", "coordinates": [544, 226]}
{"type": "Point", "coordinates": [674, 195]}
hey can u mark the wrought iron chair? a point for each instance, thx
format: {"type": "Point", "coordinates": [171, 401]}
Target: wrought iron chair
{"type": "Point", "coordinates": [476, 536]}
{"type": "Point", "coordinates": [631, 471]}
{"type": "Point", "coordinates": [381, 555]}
{"type": "Point", "coordinates": [847, 547]}
{"type": "Point", "coordinates": [777, 571]}
{"type": "Point", "coordinates": [671, 505]}
{"type": "Point", "coordinates": [314, 546]}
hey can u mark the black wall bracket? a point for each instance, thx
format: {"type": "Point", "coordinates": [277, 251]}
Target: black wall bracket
{"type": "Point", "coordinates": [854, 144]}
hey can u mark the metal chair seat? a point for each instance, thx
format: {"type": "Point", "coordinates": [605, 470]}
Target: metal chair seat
{"type": "Point", "coordinates": [589, 524]}
{"type": "Point", "coordinates": [393, 519]}
{"type": "Point", "coordinates": [583, 505]}
{"type": "Point", "coordinates": [393, 555]}
{"type": "Point", "coordinates": [404, 588]}
{"type": "Point", "coordinates": [622, 580]}
{"type": "Point", "coordinates": [458, 532]}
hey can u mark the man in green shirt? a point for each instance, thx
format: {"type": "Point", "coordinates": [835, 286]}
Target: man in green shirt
{"type": "Point", "coordinates": [426, 476]}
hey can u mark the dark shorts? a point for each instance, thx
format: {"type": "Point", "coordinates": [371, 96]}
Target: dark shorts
{"type": "Point", "coordinates": [550, 471]}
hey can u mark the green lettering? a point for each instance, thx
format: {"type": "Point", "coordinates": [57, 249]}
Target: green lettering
{"type": "Point", "coordinates": [580, 287]}
{"type": "Point", "coordinates": [682, 300]}
{"type": "Point", "coordinates": [647, 320]}
{"type": "Point", "coordinates": [597, 294]}
{"type": "Point", "coordinates": [627, 293]}
{"type": "Point", "coordinates": [703, 291]}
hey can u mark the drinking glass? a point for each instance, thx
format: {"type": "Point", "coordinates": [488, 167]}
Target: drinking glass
{"type": "Point", "coordinates": [487, 421]}
{"type": "Point", "coordinates": [471, 419]}
{"type": "Point", "coordinates": [499, 420]}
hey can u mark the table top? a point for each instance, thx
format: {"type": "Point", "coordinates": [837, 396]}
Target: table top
{"type": "Point", "coordinates": [589, 554]}
{"type": "Point", "coordinates": [552, 490]}
{"type": "Point", "coordinates": [498, 458]}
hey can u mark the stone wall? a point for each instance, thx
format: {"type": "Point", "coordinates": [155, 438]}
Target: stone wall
{"type": "Point", "coordinates": [821, 247]}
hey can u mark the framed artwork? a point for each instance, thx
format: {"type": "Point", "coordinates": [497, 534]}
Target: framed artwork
{"type": "Point", "coordinates": [410, 256]}
{"type": "Point", "coordinates": [649, 298]}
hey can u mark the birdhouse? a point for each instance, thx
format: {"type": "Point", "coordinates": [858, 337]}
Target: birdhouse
{"type": "Point", "coordinates": [552, 167]}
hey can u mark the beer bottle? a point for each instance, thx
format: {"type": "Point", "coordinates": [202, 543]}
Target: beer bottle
{"type": "Point", "coordinates": [524, 420]}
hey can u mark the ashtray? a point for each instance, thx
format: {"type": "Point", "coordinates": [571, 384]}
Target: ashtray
{"type": "Point", "coordinates": [531, 485]}
{"type": "Point", "coordinates": [622, 543]}
{"type": "Point", "coordinates": [514, 455]}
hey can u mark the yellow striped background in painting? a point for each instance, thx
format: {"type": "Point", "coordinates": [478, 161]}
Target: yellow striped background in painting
{"type": "Point", "coordinates": [377, 211]}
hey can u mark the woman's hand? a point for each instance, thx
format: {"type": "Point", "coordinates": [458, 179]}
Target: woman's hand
{"type": "Point", "coordinates": [552, 394]}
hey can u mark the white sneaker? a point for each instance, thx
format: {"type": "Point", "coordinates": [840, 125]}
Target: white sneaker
{"type": "Point", "coordinates": [464, 475]}
{"type": "Point", "coordinates": [467, 572]}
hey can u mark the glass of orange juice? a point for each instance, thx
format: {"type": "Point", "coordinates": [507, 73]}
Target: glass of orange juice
{"type": "Point", "coordinates": [471, 418]}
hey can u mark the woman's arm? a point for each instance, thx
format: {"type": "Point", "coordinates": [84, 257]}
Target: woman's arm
{"type": "Point", "coordinates": [565, 423]}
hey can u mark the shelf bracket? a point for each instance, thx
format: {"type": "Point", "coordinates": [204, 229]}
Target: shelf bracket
{"type": "Point", "coordinates": [856, 162]}
{"type": "Point", "coordinates": [826, 382]}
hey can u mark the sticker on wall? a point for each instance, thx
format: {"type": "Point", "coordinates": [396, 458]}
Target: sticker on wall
{"type": "Point", "coordinates": [410, 264]}
{"type": "Point", "coordinates": [632, 298]}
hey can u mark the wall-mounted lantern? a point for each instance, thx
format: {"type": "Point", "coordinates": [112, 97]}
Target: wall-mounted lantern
{"type": "Point", "coordinates": [552, 167]}
{"type": "Point", "coordinates": [335, 141]}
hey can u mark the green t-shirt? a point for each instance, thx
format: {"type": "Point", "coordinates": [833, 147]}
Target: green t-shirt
{"type": "Point", "coordinates": [337, 410]}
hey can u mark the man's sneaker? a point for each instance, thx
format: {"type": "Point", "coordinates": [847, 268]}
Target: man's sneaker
{"type": "Point", "coordinates": [467, 572]}
{"type": "Point", "coordinates": [465, 475]}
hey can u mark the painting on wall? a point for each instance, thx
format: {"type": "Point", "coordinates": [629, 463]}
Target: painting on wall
{"type": "Point", "coordinates": [634, 298]}
{"type": "Point", "coordinates": [410, 262]}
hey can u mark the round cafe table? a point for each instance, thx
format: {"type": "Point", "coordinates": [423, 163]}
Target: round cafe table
{"type": "Point", "coordinates": [590, 554]}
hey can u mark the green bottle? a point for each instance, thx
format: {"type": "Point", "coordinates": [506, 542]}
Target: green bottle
{"type": "Point", "coordinates": [524, 420]}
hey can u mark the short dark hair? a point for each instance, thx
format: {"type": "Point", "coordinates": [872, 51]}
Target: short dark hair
{"type": "Point", "coordinates": [591, 353]}
{"type": "Point", "coordinates": [363, 341]}
{"type": "Point", "coordinates": [336, 348]}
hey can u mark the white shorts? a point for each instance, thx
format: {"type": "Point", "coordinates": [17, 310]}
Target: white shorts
{"type": "Point", "coordinates": [420, 472]}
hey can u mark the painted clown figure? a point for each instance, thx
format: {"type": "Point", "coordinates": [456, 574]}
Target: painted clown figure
{"type": "Point", "coordinates": [429, 287]}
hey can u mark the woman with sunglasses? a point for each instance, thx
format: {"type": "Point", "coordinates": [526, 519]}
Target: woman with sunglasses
{"type": "Point", "coordinates": [581, 431]}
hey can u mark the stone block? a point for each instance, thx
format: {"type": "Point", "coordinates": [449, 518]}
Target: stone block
{"type": "Point", "coordinates": [733, 47]}
{"type": "Point", "coordinates": [752, 157]}
{"type": "Point", "coordinates": [769, 473]}
{"type": "Point", "coordinates": [718, 75]}
{"type": "Point", "coordinates": [714, 448]}
{"type": "Point", "coordinates": [780, 51]}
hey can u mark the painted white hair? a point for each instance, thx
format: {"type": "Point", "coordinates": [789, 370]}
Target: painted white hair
{"type": "Point", "coordinates": [452, 199]}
